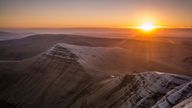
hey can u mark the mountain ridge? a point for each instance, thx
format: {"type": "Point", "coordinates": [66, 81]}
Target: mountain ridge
{"type": "Point", "coordinates": [56, 78]}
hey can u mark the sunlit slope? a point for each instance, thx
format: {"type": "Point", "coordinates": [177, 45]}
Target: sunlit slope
{"type": "Point", "coordinates": [118, 60]}
{"type": "Point", "coordinates": [174, 55]}
{"type": "Point", "coordinates": [104, 59]}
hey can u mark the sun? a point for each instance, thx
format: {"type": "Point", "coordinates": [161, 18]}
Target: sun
{"type": "Point", "coordinates": [147, 26]}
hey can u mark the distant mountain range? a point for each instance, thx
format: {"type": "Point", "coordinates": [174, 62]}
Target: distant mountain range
{"type": "Point", "coordinates": [11, 35]}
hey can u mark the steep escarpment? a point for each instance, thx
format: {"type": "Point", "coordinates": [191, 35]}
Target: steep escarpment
{"type": "Point", "coordinates": [67, 76]}
{"type": "Point", "coordinates": [44, 79]}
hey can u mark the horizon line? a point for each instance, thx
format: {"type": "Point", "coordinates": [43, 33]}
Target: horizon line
{"type": "Point", "coordinates": [89, 28]}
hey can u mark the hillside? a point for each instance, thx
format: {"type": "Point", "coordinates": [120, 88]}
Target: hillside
{"type": "Point", "coordinates": [160, 54]}
{"type": "Point", "coordinates": [60, 78]}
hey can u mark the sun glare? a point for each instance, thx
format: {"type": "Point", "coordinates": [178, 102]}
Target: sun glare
{"type": "Point", "coordinates": [148, 26]}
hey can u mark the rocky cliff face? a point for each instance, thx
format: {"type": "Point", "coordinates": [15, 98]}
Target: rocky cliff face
{"type": "Point", "coordinates": [63, 77]}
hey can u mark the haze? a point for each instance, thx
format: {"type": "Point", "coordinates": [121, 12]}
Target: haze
{"type": "Point", "coordinates": [93, 13]}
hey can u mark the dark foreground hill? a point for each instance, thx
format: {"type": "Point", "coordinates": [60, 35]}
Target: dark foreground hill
{"type": "Point", "coordinates": [64, 77]}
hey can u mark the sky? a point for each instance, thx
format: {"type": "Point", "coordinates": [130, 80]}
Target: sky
{"type": "Point", "coordinates": [94, 13]}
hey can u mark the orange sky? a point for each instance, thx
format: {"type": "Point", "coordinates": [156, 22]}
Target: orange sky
{"type": "Point", "coordinates": [94, 13]}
